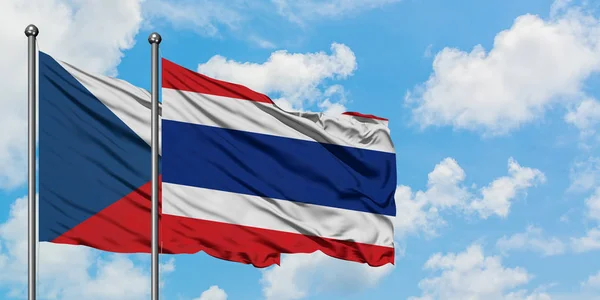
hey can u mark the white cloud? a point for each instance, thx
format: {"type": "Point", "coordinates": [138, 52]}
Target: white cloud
{"type": "Point", "coordinates": [301, 11]}
{"type": "Point", "coordinates": [472, 275]}
{"type": "Point", "coordinates": [333, 101]}
{"type": "Point", "coordinates": [517, 81]}
{"type": "Point", "coordinates": [213, 293]}
{"type": "Point", "coordinates": [297, 78]}
{"type": "Point", "coordinates": [75, 31]}
{"type": "Point", "coordinates": [420, 211]}
{"type": "Point", "coordinates": [415, 214]}
{"type": "Point", "coordinates": [532, 239]}
{"type": "Point", "coordinates": [303, 274]}
{"type": "Point", "coordinates": [496, 197]}
{"type": "Point", "coordinates": [443, 184]}
{"type": "Point", "coordinates": [589, 242]}
{"type": "Point", "coordinates": [66, 271]}
{"type": "Point", "coordinates": [586, 116]}
{"type": "Point", "coordinates": [117, 278]}
{"type": "Point", "coordinates": [593, 282]}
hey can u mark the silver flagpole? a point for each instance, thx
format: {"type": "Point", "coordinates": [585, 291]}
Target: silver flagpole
{"type": "Point", "coordinates": [154, 39]}
{"type": "Point", "coordinates": [31, 32]}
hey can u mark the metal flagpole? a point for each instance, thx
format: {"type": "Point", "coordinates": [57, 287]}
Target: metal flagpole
{"type": "Point", "coordinates": [31, 32]}
{"type": "Point", "coordinates": [154, 39]}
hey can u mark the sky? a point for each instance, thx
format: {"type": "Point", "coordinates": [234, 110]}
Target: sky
{"type": "Point", "coordinates": [493, 109]}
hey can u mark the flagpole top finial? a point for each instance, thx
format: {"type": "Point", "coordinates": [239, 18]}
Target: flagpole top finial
{"type": "Point", "coordinates": [154, 38]}
{"type": "Point", "coordinates": [31, 30]}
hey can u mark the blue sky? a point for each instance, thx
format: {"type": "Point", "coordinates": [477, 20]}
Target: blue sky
{"type": "Point", "coordinates": [493, 109]}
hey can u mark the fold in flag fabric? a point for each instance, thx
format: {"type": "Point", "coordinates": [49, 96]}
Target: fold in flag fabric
{"type": "Point", "coordinates": [243, 180]}
{"type": "Point", "coordinates": [246, 181]}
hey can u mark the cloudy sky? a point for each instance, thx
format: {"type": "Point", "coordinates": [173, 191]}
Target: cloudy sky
{"type": "Point", "coordinates": [493, 109]}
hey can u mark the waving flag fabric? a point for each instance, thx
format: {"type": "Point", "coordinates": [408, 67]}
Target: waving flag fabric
{"type": "Point", "coordinates": [246, 181]}
{"type": "Point", "coordinates": [94, 159]}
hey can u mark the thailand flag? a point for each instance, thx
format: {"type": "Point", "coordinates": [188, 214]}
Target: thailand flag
{"type": "Point", "coordinates": [245, 180]}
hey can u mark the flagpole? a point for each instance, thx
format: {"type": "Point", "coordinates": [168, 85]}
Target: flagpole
{"type": "Point", "coordinates": [154, 39]}
{"type": "Point", "coordinates": [31, 32]}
